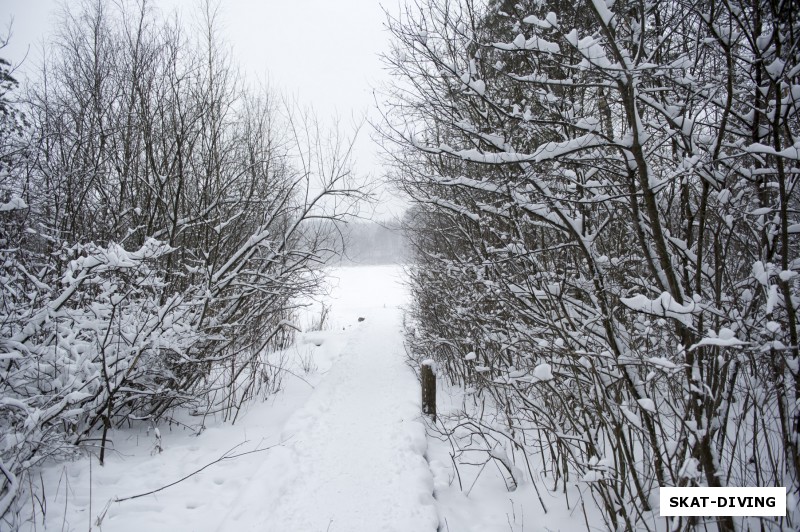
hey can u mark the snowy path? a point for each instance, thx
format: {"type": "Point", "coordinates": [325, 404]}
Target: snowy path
{"type": "Point", "coordinates": [353, 460]}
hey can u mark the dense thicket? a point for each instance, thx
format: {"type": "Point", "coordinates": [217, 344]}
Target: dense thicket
{"type": "Point", "coordinates": [605, 234]}
{"type": "Point", "coordinates": [153, 235]}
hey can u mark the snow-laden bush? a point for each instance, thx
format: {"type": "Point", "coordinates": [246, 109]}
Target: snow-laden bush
{"type": "Point", "coordinates": [606, 238]}
{"type": "Point", "coordinates": [99, 348]}
{"type": "Point", "coordinates": [159, 222]}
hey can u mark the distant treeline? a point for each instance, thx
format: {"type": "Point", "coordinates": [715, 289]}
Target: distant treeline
{"type": "Point", "coordinates": [371, 243]}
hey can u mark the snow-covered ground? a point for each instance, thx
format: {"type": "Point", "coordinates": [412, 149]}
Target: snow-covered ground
{"type": "Point", "coordinates": [354, 461]}
{"type": "Point", "coordinates": [340, 448]}
{"type": "Point", "coordinates": [475, 494]}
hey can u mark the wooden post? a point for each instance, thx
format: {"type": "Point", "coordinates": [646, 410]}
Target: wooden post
{"type": "Point", "coordinates": [428, 388]}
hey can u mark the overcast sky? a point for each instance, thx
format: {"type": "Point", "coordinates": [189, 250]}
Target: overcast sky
{"type": "Point", "coordinates": [323, 51]}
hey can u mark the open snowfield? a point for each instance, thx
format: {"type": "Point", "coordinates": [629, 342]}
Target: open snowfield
{"type": "Point", "coordinates": [340, 448]}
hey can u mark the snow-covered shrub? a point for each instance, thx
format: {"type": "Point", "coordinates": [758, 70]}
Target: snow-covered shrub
{"type": "Point", "coordinates": [154, 234]}
{"type": "Point", "coordinates": [606, 236]}
{"type": "Point", "coordinates": [99, 349]}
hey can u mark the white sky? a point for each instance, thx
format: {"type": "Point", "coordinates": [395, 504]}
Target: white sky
{"type": "Point", "coordinates": [323, 51]}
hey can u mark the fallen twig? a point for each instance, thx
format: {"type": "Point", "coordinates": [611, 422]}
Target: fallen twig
{"type": "Point", "coordinates": [226, 456]}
